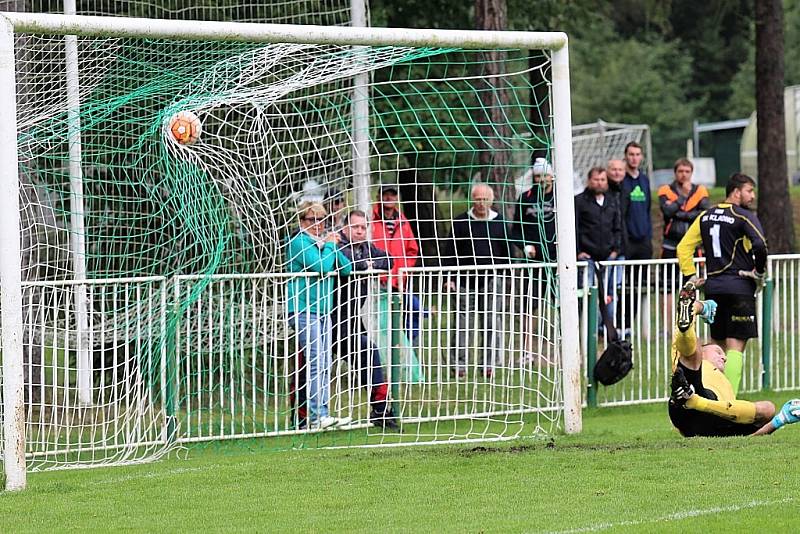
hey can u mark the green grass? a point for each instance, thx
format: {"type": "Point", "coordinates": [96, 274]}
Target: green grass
{"type": "Point", "coordinates": [628, 470]}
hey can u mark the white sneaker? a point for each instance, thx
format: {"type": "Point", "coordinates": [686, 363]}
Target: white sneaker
{"type": "Point", "coordinates": [322, 422]}
{"type": "Point", "coordinates": [342, 421]}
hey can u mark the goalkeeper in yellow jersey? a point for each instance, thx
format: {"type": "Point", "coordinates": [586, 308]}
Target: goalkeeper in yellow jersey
{"type": "Point", "coordinates": [702, 401]}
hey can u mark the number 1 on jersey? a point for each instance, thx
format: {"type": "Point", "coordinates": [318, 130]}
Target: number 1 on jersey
{"type": "Point", "coordinates": [715, 246]}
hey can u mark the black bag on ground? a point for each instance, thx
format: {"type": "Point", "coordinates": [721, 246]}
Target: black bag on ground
{"type": "Point", "coordinates": [617, 360]}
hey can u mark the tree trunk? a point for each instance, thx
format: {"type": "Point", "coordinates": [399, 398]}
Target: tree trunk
{"type": "Point", "coordinates": [419, 207]}
{"type": "Point", "coordinates": [539, 115]}
{"type": "Point", "coordinates": [772, 172]}
{"type": "Point", "coordinates": [495, 143]}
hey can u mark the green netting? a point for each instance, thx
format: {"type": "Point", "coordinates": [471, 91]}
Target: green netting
{"type": "Point", "coordinates": [200, 350]}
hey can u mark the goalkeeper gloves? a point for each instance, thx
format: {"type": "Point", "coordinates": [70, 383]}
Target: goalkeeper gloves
{"type": "Point", "coordinates": [759, 278]}
{"type": "Point", "coordinates": [790, 413]}
{"type": "Point", "coordinates": [709, 311]}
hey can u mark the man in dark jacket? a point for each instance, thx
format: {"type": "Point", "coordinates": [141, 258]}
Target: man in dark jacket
{"type": "Point", "coordinates": [480, 237]}
{"type": "Point", "coordinates": [598, 225]}
{"type": "Point", "coordinates": [615, 171]}
{"type": "Point", "coordinates": [597, 220]}
{"type": "Point", "coordinates": [349, 334]}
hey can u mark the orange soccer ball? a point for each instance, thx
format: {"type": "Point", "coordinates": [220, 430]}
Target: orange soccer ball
{"type": "Point", "coordinates": [185, 127]}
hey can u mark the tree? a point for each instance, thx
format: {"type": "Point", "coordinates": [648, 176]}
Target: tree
{"type": "Point", "coordinates": [494, 155]}
{"type": "Point", "coordinates": [772, 171]}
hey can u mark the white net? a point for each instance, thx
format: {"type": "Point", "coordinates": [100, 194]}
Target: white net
{"type": "Point", "coordinates": [596, 143]}
{"type": "Point", "coordinates": [212, 311]}
{"type": "Point", "coordinates": [320, 12]}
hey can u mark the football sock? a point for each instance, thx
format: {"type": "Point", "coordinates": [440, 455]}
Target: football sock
{"type": "Point", "coordinates": [686, 342]}
{"type": "Point", "coordinates": [733, 369]}
{"type": "Point", "coordinates": [738, 411]}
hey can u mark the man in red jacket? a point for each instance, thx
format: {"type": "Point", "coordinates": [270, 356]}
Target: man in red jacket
{"type": "Point", "coordinates": [392, 233]}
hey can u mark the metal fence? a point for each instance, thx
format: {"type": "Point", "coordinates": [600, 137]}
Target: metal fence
{"type": "Point", "coordinates": [644, 311]}
{"type": "Point", "coordinates": [204, 358]}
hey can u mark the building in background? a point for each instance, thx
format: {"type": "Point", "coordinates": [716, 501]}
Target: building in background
{"type": "Point", "coordinates": [749, 152]}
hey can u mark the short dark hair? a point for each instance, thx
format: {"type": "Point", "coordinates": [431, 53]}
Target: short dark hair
{"type": "Point", "coordinates": [357, 213]}
{"type": "Point", "coordinates": [633, 144]}
{"type": "Point", "coordinates": [594, 170]}
{"type": "Point", "coordinates": [682, 162]}
{"type": "Point", "coordinates": [389, 188]}
{"type": "Point", "coordinates": [333, 195]}
{"type": "Point", "coordinates": [737, 181]}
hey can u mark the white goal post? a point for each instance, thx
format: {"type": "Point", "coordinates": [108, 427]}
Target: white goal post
{"type": "Point", "coordinates": [10, 225]}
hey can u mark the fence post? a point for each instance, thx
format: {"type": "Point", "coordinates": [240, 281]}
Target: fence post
{"type": "Point", "coordinates": [766, 333]}
{"type": "Point", "coordinates": [591, 349]}
{"type": "Point", "coordinates": [170, 363]}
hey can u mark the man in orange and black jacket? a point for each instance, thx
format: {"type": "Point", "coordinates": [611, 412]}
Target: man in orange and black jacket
{"type": "Point", "coordinates": [681, 202]}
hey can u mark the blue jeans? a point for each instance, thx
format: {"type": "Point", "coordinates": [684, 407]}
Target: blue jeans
{"type": "Point", "coordinates": [314, 339]}
{"type": "Point", "coordinates": [611, 283]}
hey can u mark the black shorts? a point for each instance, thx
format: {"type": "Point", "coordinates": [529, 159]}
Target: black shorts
{"type": "Point", "coordinates": [692, 423]}
{"type": "Point", "coordinates": [736, 317]}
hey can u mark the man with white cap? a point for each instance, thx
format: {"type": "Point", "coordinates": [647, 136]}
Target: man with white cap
{"type": "Point", "coordinates": [534, 226]}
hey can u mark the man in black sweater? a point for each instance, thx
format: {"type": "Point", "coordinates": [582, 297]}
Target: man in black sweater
{"type": "Point", "coordinates": [480, 237]}
{"type": "Point", "coordinates": [598, 225]}
{"type": "Point", "coordinates": [534, 225]}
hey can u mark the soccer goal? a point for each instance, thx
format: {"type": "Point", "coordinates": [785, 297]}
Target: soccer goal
{"type": "Point", "coordinates": [152, 173]}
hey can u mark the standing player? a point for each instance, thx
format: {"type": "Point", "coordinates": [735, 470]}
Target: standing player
{"type": "Point", "coordinates": [736, 261]}
{"type": "Point", "coordinates": [703, 402]}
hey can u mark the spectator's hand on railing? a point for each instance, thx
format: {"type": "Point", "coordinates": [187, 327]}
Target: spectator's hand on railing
{"type": "Point", "coordinates": [583, 256]}
{"type": "Point", "coordinates": [530, 252]}
{"type": "Point", "coordinates": [449, 286]}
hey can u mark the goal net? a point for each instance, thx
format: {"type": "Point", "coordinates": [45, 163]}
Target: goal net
{"type": "Point", "coordinates": [162, 303]}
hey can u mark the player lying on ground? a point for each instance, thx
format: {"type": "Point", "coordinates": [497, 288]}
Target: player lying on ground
{"type": "Point", "coordinates": [702, 402]}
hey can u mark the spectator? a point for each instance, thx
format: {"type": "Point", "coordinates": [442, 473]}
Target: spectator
{"type": "Point", "coordinates": [615, 172]}
{"type": "Point", "coordinates": [636, 206]}
{"type": "Point", "coordinates": [597, 219]}
{"type": "Point", "coordinates": [350, 335]}
{"type": "Point", "coordinates": [637, 230]}
{"type": "Point", "coordinates": [479, 237]}
{"type": "Point", "coordinates": [534, 229]}
{"type": "Point", "coordinates": [335, 205]}
{"type": "Point", "coordinates": [392, 233]}
{"type": "Point", "coordinates": [598, 225]}
{"type": "Point", "coordinates": [681, 202]}
{"type": "Point", "coordinates": [310, 300]}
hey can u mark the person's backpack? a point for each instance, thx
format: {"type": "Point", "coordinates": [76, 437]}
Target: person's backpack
{"type": "Point", "coordinates": [617, 360]}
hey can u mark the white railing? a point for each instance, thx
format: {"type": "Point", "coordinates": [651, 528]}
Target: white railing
{"type": "Point", "coordinates": [238, 369]}
{"type": "Point", "coordinates": [784, 353]}
{"type": "Point", "coordinates": [220, 349]}
{"type": "Point", "coordinates": [118, 413]}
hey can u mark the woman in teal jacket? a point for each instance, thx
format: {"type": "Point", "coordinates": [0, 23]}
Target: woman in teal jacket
{"type": "Point", "coordinates": [314, 251]}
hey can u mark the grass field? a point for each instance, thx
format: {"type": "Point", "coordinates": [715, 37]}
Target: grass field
{"type": "Point", "coordinates": [628, 471]}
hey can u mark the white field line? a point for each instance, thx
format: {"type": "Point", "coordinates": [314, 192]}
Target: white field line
{"type": "Point", "coordinates": [677, 516]}
{"type": "Point", "coordinates": [165, 473]}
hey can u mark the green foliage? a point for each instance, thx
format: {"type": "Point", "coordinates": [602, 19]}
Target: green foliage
{"type": "Point", "coordinates": [646, 62]}
{"type": "Point", "coordinates": [635, 82]}
{"type": "Point", "coordinates": [628, 470]}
